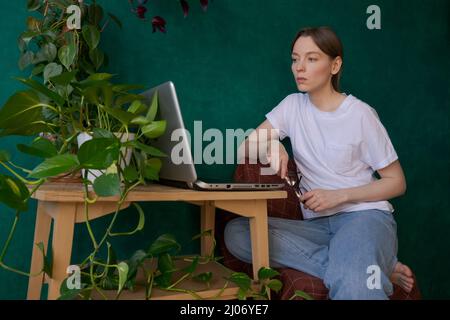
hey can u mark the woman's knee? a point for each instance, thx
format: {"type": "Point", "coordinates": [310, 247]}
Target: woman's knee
{"type": "Point", "coordinates": [236, 233]}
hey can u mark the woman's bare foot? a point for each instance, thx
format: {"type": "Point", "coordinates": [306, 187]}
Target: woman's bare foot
{"type": "Point", "coordinates": [403, 277]}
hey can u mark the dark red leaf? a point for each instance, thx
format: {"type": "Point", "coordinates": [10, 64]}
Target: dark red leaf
{"type": "Point", "coordinates": [159, 23]}
{"type": "Point", "coordinates": [140, 11]}
{"type": "Point", "coordinates": [204, 4]}
{"type": "Point", "coordinates": [185, 7]}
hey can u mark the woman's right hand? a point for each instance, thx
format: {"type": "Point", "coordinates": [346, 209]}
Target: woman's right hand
{"type": "Point", "coordinates": [278, 162]}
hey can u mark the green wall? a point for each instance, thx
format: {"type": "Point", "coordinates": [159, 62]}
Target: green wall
{"type": "Point", "coordinates": [232, 65]}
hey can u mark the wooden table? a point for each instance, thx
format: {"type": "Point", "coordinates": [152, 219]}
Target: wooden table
{"type": "Point", "coordinates": [64, 204]}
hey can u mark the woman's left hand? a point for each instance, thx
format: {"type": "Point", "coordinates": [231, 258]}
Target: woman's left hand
{"type": "Point", "coordinates": [319, 199]}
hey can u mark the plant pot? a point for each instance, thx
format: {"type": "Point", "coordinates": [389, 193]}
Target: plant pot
{"type": "Point", "coordinates": [93, 174]}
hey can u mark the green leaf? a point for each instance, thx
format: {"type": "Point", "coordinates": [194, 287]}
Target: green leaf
{"type": "Point", "coordinates": [135, 261]}
{"type": "Point", "coordinates": [14, 193]}
{"type": "Point", "coordinates": [203, 277]}
{"type": "Point", "coordinates": [123, 274]}
{"type": "Point", "coordinates": [69, 294]}
{"type": "Point", "coordinates": [141, 221]}
{"type": "Point", "coordinates": [301, 294]}
{"type": "Point", "coordinates": [107, 96]}
{"type": "Point", "coordinates": [47, 263]}
{"type": "Point", "coordinates": [21, 109]}
{"type": "Point", "coordinates": [127, 98]}
{"type": "Point", "coordinates": [52, 70]}
{"type": "Point", "coordinates": [140, 120]}
{"type": "Point", "coordinates": [242, 294]}
{"type": "Point", "coordinates": [275, 285]}
{"type": "Point", "coordinates": [242, 280]}
{"type": "Point", "coordinates": [25, 130]}
{"type": "Point", "coordinates": [47, 53]}
{"type": "Point", "coordinates": [98, 153]}
{"type": "Point", "coordinates": [116, 20]}
{"type": "Point", "coordinates": [153, 107]}
{"type": "Point", "coordinates": [100, 76]}
{"type": "Point", "coordinates": [55, 165]}
{"type": "Point", "coordinates": [86, 66]}
{"type": "Point", "coordinates": [26, 59]}
{"type": "Point", "coordinates": [102, 133]}
{"type": "Point", "coordinates": [38, 69]}
{"type": "Point", "coordinates": [5, 156]}
{"type": "Point", "coordinates": [43, 89]}
{"type": "Point", "coordinates": [127, 87]}
{"type": "Point", "coordinates": [95, 13]}
{"type": "Point", "coordinates": [64, 78]}
{"type": "Point", "coordinates": [66, 55]}
{"type": "Point", "coordinates": [33, 5]}
{"type": "Point", "coordinates": [145, 148]}
{"type": "Point", "coordinates": [151, 168]}
{"type": "Point", "coordinates": [123, 116]}
{"type": "Point", "coordinates": [267, 273]}
{"type": "Point", "coordinates": [130, 174]}
{"type": "Point", "coordinates": [165, 263]}
{"type": "Point", "coordinates": [136, 106]}
{"type": "Point", "coordinates": [154, 129]}
{"type": "Point", "coordinates": [91, 35]}
{"type": "Point", "coordinates": [97, 57]}
{"type": "Point", "coordinates": [27, 36]}
{"type": "Point", "coordinates": [107, 185]}
{"type": "Point", "coordinates": [40, 147]}
{"type": "Point", "coordinates": [163, 244]}
{"type": "Point", "coordinates": [191, 268]}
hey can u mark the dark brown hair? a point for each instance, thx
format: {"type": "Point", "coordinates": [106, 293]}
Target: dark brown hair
{"type": "Point", "coordinates": [327, 40]}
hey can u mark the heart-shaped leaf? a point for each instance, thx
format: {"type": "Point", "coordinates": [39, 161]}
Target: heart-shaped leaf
{"type": "Point", "coordinates": [21, 109]}
{"type": "Point", "coordinates": [98, 153]}
{"type": "Point", "coordinates": [52, 70]}
{"type": "Point", "coordinates": [267, 273]}
{"type": "Point", "coordinates": [123, 274]}
{"type": "Point", "coordinates": [55, 165]}
{"type": "Point", "coordinates": [151, 168]}
{"type": "Point", "coordinates": [91, 35]}
{"type": "Point", "coordinates": [162, 244]}
{"type": "Point", "coordinates": [43, 89]}
{"type": "Point", "coordinates": [107, 185]}
{"type": "Point", "coordinates": [153, 107]}
{"type": "Point", "coordinates": [66, 55]}
{"type": "Point", "coordinates": [40, 147]}
{"type": "Point", "coordinates": [14, 193]}
{"type": "Point", "coordinates": [154, 129]}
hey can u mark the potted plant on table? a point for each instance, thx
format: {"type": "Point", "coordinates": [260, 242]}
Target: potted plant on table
{"type": "Point", "coordinates": [67, 98]}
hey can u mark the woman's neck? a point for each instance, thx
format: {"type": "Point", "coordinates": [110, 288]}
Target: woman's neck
{"type": "Point", "coordinates": [326, 98]}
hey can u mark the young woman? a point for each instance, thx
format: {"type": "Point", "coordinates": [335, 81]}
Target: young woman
{"type": "Point", "coordinates": [348, 235]}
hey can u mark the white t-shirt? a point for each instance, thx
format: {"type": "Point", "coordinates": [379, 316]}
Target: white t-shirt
{"type": "Point", "coordinates": [334, 150]}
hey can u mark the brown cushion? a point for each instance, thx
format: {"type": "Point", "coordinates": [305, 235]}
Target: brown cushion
{"type": "Point", "coordinates": [289, 209]}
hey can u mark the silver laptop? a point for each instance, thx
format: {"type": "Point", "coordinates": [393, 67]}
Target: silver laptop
{"type": "Point", "coordinates": [184, 174]}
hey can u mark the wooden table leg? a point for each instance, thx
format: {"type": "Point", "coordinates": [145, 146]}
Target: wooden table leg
{"type": "Point", "coordinates": [64, 224]}
{"type": "Point", "coordinates": [256, 211]}
{"type": "Point", "coordinates": [259, 233]}
{"type": "Point", "coordinates": [41, 234]}
{"type": "Point", "coordinates": [207, 222]}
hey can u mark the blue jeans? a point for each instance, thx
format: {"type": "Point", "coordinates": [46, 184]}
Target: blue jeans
{"type": "Point", "coordinates": [353, 252]}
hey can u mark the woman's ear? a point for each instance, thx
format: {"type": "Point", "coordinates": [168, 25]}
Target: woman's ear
{"type": "Point", "coordinates": [336, 65]}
